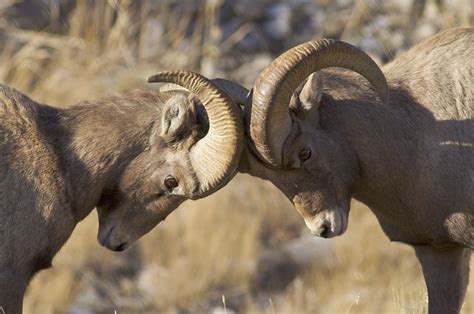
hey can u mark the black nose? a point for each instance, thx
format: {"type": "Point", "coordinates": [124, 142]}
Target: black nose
{"type": "Point", "coordinates": [326, 230]}
{"type": "Point", "coordinates": [120, 247]}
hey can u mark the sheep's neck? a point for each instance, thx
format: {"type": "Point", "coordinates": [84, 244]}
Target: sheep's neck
{"type": "Point", "coordinates": [377, 133]}
{"type": "Point", "coordinates": [96, 146]}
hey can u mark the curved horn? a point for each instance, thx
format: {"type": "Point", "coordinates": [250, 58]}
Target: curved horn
{"type": "Point", "coordinates": [215, 157]}
{"type": "Point", "coordinates": [270, 122]}
{"type": "Point", "coordinates": [170, 87]}
{"type": "Point", "coordinates": [236, 92]}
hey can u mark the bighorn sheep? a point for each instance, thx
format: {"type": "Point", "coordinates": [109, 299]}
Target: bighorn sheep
{"type": "Point", "coordinates": [135, 157]}
{"type": "Point", "coordinates": [403, 145]}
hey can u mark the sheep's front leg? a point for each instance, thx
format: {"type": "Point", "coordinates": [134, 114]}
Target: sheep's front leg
{"type": "Point", "coordinates": [12, 290]}
{"type": "Point", "coordinates": [446, 275]}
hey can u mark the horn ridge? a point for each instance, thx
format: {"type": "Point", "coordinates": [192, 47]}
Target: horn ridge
{"type": "Point", "coordinates": [270, 123]}
{"type": "Point", "coordinates": [216, 156]}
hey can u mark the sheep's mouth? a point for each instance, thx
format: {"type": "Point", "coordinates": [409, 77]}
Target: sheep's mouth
{"type": "Point", "coordinates": [119, 248]}
{"type": "Point", "coordinates": [327, 223]}
{"type": "Point", "coordinates": [107, 241]}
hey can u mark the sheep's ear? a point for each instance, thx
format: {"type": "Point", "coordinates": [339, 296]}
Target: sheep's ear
{"type": "Point", "coordinates": [312, 92]}
{"type": "Point", "coordinates": [178, 117]}
{"type": "Point", "coordinates": [306, 99]}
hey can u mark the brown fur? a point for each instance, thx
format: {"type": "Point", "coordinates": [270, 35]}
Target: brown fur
{"type": "Point", "coordinates": [411, 160]}
{"type": "Point", "coordinates": [58, 164]}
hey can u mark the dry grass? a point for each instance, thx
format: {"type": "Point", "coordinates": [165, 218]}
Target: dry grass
{"type": "Point", "coordinates": [210, 248]}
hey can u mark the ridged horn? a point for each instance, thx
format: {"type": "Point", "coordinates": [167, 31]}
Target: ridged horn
{"type": "Point", "coordinates": [270, 123]}
{"type": "Point", "coordinates": [216, 156]}
{"type": "Point", "coordinates": [236, 92]}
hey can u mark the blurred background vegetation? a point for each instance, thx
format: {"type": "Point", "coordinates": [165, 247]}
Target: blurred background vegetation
{"type": "Point", "coordinates": [243, 249]}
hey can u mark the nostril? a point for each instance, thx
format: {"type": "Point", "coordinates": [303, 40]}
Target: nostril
{"type": "Point", "coordinates": [103, 240]}
{"type": "Point", "coordinates": [109, 234]}
{"type": "Point", "coordinates": [325, 230]}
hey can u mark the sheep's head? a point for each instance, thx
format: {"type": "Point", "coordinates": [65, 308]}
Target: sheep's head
{"type": "Point", "coordinates": [192, 151]}
{"type": "Point", "coordinates": [288, 146]}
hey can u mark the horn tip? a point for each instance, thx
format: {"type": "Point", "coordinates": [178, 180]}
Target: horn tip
{"type": "Point", "coordinates": [153, 78]}
{"type": "Point", "coordinates": [162, 76]}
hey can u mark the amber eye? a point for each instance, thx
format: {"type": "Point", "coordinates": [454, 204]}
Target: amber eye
{"type": "Point", "coordinates": [171, 182]}
{"type": "Point", "coordinates": [304, 154]}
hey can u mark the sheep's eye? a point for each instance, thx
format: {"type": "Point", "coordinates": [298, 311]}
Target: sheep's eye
{"type": "Point", "coordinates": [171, 182]}
{"type": "Point", "coordinates": [304, 154]}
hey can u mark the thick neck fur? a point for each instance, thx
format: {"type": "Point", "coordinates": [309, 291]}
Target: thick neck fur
{"type": "Point", "coordinates": [421, 142]}
{"type": "Point", "coordinates": [96, 140]}
{"type": "Point", "coordinates": [409, 154]}
{"type": "Point", "coordinates": [379, 134]}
